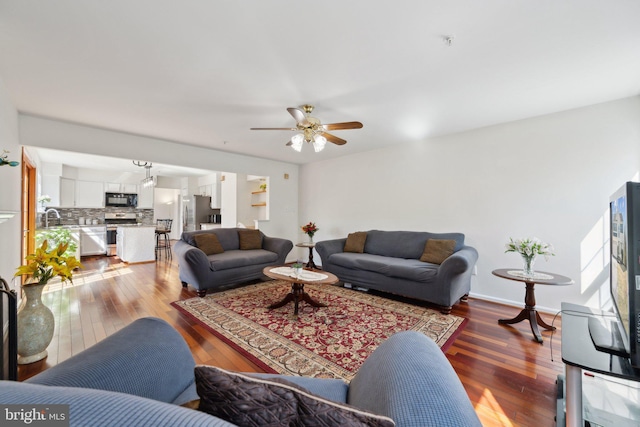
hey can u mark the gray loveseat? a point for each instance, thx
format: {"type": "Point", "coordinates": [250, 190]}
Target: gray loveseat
{"type": "Point", "coordinates": [391, 263]}
{"type": "Point", "coordinates": [139, 375]}
{"type": "Point", "coordinates": [233, 266]}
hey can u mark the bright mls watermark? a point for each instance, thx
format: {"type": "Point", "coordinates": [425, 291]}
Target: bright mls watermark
{"type": "Point", "coordinates": [34, 415]}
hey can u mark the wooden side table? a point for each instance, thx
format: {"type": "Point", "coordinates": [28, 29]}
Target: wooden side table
{"type": "Point", "coordinates": [529, 311]}
{"type": "Point", "coordinates": [310, 245]}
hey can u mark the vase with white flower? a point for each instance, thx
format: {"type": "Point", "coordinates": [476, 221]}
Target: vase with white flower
{"type": "Point", "coordinates": [35, 320]}
{"type": "Point", "coordinates": [529, 248]}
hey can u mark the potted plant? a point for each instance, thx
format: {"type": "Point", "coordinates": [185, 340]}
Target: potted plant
{"type": "Point", "coordinates": [297, 268]}
{"type": "Point", "coordinates": [35, 320]}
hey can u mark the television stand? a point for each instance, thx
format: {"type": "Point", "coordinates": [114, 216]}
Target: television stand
{"type": "Point", "coordinates": [606, 336]}
{"type": "Point", "coordinates": [579, 352]}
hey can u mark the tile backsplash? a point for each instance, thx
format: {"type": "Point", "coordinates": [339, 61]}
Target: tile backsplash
{"type": "Point", "coordinates": [69, 216]}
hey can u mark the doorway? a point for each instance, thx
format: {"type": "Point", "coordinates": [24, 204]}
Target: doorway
{"type": "Point", "coordinates": [28, 206]}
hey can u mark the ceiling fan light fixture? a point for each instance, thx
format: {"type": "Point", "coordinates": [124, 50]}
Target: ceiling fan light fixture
{"type": "Point", "coordinates": [296, 142]}
{"type": "Point", "coordinates": [319, 142]}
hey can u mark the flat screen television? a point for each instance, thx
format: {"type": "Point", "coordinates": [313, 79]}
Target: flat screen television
{"type": "Point", "coordinates": [622, 336]}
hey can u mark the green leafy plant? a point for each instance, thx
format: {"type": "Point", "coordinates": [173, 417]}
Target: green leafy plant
{"type": "Point", "coordinates": [58, 236]}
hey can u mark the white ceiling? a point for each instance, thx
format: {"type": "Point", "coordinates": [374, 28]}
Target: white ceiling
{"type": "Point", "coordinates": [203, 72]}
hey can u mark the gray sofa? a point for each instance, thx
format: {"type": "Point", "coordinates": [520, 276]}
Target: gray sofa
{"type": "Point", "coordinates": [139, 375]}
{"type": "Point", "coordinates": [233, 266]}
{"type": "Point", "coordinates": [391, 263]}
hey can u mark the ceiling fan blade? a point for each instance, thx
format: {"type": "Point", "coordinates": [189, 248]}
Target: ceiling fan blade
{"type": "Point", "coordinates": [299, 116]}
{"type": "Point", "coordinates": [273, 129]}
{"type": "Point", "coordinates": [333, 138]}
{"type": "Point", "coordinates": [343, 125]}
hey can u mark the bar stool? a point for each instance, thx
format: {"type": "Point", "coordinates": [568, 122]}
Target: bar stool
{"type": "Point", "coordinates": [163, 228]}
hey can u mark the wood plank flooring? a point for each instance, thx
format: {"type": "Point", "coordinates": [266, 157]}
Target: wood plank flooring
{"type": "Point", "coordinates": [510, 378]}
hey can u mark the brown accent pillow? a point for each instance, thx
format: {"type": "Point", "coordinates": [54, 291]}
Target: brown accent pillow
{"type": "Point", "coordinates": [208, 243]}
{"type": "Point", "coordinates": [355, 242]}
{"type": "Point", "coordinates": [250, 401]}
{"type": "Point", "coordinates": [250, 239]}
{"type": "Point", "coordinates": [192, 404]}
{"type": "Point", "coordinates": [437, 250]}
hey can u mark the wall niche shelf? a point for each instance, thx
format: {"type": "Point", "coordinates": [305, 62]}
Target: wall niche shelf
{"type": "Point", "coordinates": [7, 215]}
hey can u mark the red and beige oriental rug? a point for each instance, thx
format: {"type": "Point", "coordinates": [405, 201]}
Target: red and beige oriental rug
{"type": "Point", "coordinates": [329, 342]}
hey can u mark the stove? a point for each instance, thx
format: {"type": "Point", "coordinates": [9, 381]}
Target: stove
{"type": "Point", "coordinates": [112, 220]}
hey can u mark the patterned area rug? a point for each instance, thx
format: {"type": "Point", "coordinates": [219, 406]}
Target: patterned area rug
{"type": "Point", "coordinates": [328, 342]}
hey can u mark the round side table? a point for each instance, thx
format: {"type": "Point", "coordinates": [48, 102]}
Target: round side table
{"type": "Point", "coordinates": [310, 245]}
{"type": "Point", "coordinates": [529, 311]}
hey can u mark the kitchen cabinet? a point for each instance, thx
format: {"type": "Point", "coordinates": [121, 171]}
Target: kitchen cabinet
{"type": "Point", "coordinates": [93, 240]}
{"type": "Point", "coordinates": [75, 193]}
{"type": "Point", "coordinates": [67, 192]}
{"type": "Point", "coordinates": [136, 243]}
{"type": "Point", "coordinates": [89, 194]}
{"type": "Point", "coordinates": [50, 186]}
{"type": "Point", "coordinates": [119, 187]}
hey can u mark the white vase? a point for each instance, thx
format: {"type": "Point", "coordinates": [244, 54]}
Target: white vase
{"type": "Point", "coordinates": [35, 326]}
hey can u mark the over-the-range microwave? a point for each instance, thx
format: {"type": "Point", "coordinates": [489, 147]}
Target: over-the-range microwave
{"type": "Point", "coordinates": [122, 200]}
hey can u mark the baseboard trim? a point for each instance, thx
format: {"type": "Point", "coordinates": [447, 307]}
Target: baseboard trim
{"type": "Point", "coordinates": [517, 304]}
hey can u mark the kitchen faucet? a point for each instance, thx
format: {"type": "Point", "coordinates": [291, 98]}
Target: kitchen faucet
{"type": "Point", "coordinates": [46, 216]}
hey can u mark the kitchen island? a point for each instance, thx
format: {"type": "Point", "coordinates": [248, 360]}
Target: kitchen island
{"type": "Point", "coordinates": [136, 243]}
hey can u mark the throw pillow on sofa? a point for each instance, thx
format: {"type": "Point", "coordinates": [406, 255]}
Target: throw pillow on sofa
{"type": "Point", "coordinates": [249, 401]}
{"type": "Point", "coordinates": [437, 250]}
{"type": "Point", "coordinates": [355, 242]}
{"type": "Point", "coordinates": [250, 239]}
{"type": "Point", "coordinates": [208, 243]}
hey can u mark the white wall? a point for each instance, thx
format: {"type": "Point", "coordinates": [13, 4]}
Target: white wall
{"type": "Point", "coordinates": [548, 177]}
{"type": "Point", "coordinates": [10, 179]}
{"type": "Point", "coordinates": [40, 132]}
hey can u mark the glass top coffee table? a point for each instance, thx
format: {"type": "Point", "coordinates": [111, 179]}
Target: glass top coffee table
{"type": "Point", "coordinates": [298, 281]}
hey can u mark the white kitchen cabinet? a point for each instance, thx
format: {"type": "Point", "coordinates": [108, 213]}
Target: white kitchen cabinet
{"type": "Point", "coordinates": [136, 243]}
{"type": "Point", "coordinates": [119, 187]}
{"type": "Point", "coordinates": [93, 240]}
{"type": "Point", "coordinates": [89, 194]}
{"type": "Point", "coordinates": [145, 198]}
{"type": "Point", "coordinates": [51, 187]}
{"type": "Point", "coordinates": [75, 193]}
{"type": "Point", "coordinates": [67, 192]}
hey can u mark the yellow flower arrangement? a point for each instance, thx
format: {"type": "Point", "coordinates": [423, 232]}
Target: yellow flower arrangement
{"type": "Point", "coordinates": [43, 265]}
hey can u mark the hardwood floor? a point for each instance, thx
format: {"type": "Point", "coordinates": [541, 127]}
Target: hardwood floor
{"type": "Point", "coordinates": [509, 377]}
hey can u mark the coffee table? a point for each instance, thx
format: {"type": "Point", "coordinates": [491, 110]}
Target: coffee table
{"type": "Point", "coordinates": [297, 293]}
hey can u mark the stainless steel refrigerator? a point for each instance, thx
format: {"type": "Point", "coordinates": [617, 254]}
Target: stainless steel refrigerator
{"type": "Point", "coordinates": [197, 211]}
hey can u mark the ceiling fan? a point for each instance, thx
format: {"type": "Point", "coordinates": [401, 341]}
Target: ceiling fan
{"type": "Point", "coordinates": [311, 130]}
